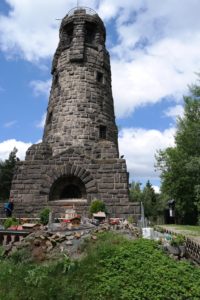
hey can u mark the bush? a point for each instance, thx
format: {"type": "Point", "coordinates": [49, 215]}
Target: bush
{"type": "Point", "coordinates": [10, 222]}
{"type": "Point", "coordinates": [44, 216]}
{"type": "Point", "coordinates": [177, 240]}
{"type": "Point", "coordinates": [97, 205]}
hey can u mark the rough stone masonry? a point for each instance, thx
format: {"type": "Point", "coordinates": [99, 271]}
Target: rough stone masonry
{"type": "Point", "coordinates": [78, 158]}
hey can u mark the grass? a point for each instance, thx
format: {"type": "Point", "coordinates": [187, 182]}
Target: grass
{"type": "Point", "coordinates": [114, 268]}
{"type": "Point", "coordinates": [188, 230]}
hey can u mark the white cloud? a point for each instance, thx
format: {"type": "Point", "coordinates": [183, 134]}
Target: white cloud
{"type": "Point", "coordinates": [31, 29]}
{"type": "Point", "coordinates": [165, 70]}
{"type": "Point", "coordinates": [41, 87]}
{"type": "Point", "coordinates": [10, 124]}
{"type": "Point", "coordinates": [7, 146]}
{"type": "Point", "coordinates": [41, 123]}
{"type": "Point", "coordinates": [174, 112]}
{"type": "Point", "coordinates": [156, 189]}
{"type": "Point", "coordinates": [155, 54]}
{"type": "Point", "coordinates": [139, 147]}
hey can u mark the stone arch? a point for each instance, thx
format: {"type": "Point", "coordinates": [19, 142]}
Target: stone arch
{"type": "Point", "coordinates": [67, 180]}
{"type": "Point", "coordinates": [67, 187]}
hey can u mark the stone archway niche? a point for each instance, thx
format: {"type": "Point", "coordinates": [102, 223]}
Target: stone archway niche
{"type": "Point", "coordinates": [67, 187]}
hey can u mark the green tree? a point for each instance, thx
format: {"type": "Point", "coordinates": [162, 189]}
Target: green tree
{"type": "Point", "coordinates": [6, 174]}
{"type": "Point", "coordinates": [135, 192]}
{"type": "Point", "coordinates": [149, 200]}
{"type": "Point", "coordinates": [180, 165]}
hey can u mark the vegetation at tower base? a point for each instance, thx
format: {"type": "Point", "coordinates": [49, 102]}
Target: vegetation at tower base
{"type": "Point", "coordinates": [44, 215]}
{"type": "Point", "coordinates": [96, 206]}
{"type": "Point", "coordinates": [6, 174]}
{"type": "Point", "coordinates": [180, 165]}
{"type": "Point", "coordinates": [113, 268]}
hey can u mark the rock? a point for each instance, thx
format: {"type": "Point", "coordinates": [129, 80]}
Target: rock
{"type": "Point", "coordinates": [77, 235]}
{"type": "Point", "coordinates": [37, 243]}
{"type": "Point", "coordinates": [29, 238]}
{"type": "Point", "coordinates": [38, 254]}
{"type": "Point", "coordinates": [70, 237]}
{"type": "Point", "coordinates": [49, 249]}
{"type": "Point", "coordinates": [173, 250]}
{"type": "Point", "coordinates": [7, 248]}
{"type": "Point", "coordinates": [69, 243]}
{"type": "Point", "coordinates": [68, 233]}
{"type": "Point", "coordinates": [49, 244]}
{"type": "Point", "coordinates": [93, 237]}
{"type": "Point", "coordinates": [182, 251]}
{"type": "Point", "coordinates": [52, 241]}
{"type": "Point", "coordinates": [13, 250]}
{"type": "Point", "coordinates": [61, 238]}
{"type": "Point", "coordinates": [18, 244]}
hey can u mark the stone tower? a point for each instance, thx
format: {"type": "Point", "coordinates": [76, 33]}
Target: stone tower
{"type": "Point", "coordinates": [78, 158]}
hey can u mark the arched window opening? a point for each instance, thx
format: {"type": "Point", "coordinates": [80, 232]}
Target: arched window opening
{"type": "Point", "coordinates": [71, 191]}
{"type": "Point", "coordinates": [67, 187]}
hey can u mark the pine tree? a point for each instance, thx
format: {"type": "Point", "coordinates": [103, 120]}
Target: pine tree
{"type": "Point", "coordinates": [6, 174]}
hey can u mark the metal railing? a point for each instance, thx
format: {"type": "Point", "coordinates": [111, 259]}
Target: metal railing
{"type": "Point", "coordinates": [88, 10]}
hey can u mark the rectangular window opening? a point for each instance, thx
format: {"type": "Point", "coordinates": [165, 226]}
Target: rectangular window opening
{"type": "Point", "coordinates": [102, 132]}
{"type": "Point", "coordinates": [90, 32]}
{"type": "Point", "coordinates": [99, 77]}
{"type": "Point", "coordinates": [68, 33]}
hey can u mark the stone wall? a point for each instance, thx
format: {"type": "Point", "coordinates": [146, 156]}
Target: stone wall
{"type": "Point", "coordinates": [104, 179]}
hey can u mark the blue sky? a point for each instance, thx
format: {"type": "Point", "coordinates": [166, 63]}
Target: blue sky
{"type": "Point", "coordinates": [154, 47]}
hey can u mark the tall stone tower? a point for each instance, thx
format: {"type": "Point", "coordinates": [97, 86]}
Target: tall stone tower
{"type": "Point", "coordinates": [78, 158]}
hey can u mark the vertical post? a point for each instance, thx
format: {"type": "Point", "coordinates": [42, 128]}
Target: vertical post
{"type": "Point", "coordinates": [50, 220]}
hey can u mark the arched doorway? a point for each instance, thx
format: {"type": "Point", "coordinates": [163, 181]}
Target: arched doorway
{"type": "Point", "coordinates": [67, 187]}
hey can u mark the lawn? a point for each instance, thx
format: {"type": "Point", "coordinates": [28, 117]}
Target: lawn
{"type": "Point", "coordinates": [187, 230]}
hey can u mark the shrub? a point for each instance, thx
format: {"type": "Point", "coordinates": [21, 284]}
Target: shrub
{"type": "Point", "coordinates": [44, 216]}
{"type": "Point", "coordinates": [131, 220]}
{"type": "Point", "coordinates": [97, 205]}
{"type": "Point", "coordinates": [177, 240]}
{"type": "Point", "coordinates": [10, 222]}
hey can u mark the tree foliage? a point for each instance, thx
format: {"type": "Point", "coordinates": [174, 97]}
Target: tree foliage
{"type": "Point", "coordinates": [180, 165]}
{"type": "Point", "coordinates": [149, 198]}
{"type": "Point", "coordinates": [6, 174]}
{"type": "Point", "coordinates": [136, 192]}
{"type": "Point", "coordinates": [149, 201]}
